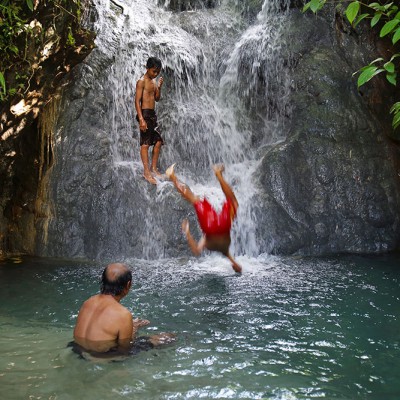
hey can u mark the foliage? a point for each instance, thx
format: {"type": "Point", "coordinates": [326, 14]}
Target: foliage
{"type": "Point", "coordinates": [70, 38]}
{"type": "Point", "coordinates": [12, 25]}
{"type": "Point", "coordinates": [16, 32]}
{"type": "Point", "coordinates": [388, 15]}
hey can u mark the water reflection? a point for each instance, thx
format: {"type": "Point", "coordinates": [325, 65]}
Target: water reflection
{"type": "Point", "coordinates": [286, 329]}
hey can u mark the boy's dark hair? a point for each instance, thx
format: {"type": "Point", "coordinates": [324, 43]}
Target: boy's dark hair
{"type": "Point", "coordinates": [153, 62]}
{"type": "Point", "coordinates": [116, 286]}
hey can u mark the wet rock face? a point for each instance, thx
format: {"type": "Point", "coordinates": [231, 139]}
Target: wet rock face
{"type": "Point", "coordinates": [334, 182]}
{"type": "Point", "coordinates": [25, 149]}
{"type": "Point", "coordinates": [330, 187]}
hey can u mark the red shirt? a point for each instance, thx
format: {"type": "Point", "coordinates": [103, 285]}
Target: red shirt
{"type": "Point", "coordinates": [212, 223]}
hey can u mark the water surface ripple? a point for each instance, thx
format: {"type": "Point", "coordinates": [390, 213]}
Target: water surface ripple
{"type": "Point", "coordinates": [286, 329]}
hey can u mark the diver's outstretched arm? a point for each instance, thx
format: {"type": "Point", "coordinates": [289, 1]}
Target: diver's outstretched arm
{"type": "Point", "coordinates": [196, 248]}
{"type": "Point", "coordinates": [218, 170]}
{"type": "Point", "coordinates": [236, 267]}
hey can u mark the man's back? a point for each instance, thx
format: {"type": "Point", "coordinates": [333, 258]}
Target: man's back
{"type": "Point", "coordinates": [103, 323]}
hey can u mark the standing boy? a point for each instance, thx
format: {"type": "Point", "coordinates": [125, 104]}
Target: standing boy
{"type": "Point", "coordinates": [216, 227]}
{"type": "Point", "coordinates": [148, 91]}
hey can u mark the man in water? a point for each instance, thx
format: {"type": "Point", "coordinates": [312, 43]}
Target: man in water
{"type": "Point", "coordinates": [216, 227]}
{"type": "Point", "coordinates": [105, 327]}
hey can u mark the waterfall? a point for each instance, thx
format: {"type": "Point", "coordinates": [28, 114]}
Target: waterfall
{"type": "Point", "coordinates": [223, 99]}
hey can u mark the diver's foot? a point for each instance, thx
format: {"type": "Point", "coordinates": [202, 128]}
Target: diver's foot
{"type": "Point", "coordinates": [170, 172]}
{"type": "Point", "coordinates": [237, 268]}
{"type": "Point", "coordinates": [218, 168]}
{"type": "Point", "coordinates": [150, 179]}
{"type": "Point", "coordinates": [185, 226]}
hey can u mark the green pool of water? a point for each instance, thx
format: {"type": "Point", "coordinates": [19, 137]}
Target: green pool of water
{"type": "Point", "coordinates": [288, 328]}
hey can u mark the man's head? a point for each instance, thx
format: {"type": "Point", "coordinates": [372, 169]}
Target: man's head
{"type": "Point", "coordinates": [115, 279]}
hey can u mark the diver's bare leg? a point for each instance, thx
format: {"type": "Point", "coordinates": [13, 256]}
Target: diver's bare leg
{"type": "Point", "coordinates": [183, 189]}
{"type": "Point", "coordinates": [218, 170]}
{"type": "Point", "coordinates": [196, 248]}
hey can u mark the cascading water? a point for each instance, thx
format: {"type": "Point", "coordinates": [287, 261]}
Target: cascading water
{"type": "Point", "coordinates": [216, 70]}
{"type": "Point", "coordinates": [222, 100]}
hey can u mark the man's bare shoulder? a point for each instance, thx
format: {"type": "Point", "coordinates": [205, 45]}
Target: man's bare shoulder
{"type": "Point", "coordinates": [124, 311]}
{"type": "Point", "coordinates": [115, 307]}
{"type": "Point", "coordinates": [92, 300]}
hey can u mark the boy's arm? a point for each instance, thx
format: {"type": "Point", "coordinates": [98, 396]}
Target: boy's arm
{"type": "Point", "coordinates": [138, 101]}
{"type": "Point", "coordinates": [157, 93]}
{"type": "Point", "coordinates": [228, 192]}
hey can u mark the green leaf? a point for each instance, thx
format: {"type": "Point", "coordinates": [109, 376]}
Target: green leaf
{"type": "Point", "coordinates": [396, 118]}
{"type": "Point", "coordinates": [388, 27]}
{"type": "Point", "coordinates": [316, 5]}
{"type": "Point", "coordinates": [13, 48]}
{"type": "Point", "coordinates": [376, 60]}
{"type": "Point", "coordinates": [389, 66]}
{"type": "Point", "coordinates": [306, 6]}
{"type": "Point", "coordinates": [3, 83]}
{"type": "Point", "coordinates": [396, 36]}
{"type": "Point", "coordinates": [387, 6]}
{"type": "Point", "coordinates": [392, 10]}
{"type": "Point", "coordinates": [368, 66]}
{"type": "Point", "coordinates": [394, 56]}
{"type": "Point", "coordinates": [352, 10]}
{"type": "Point", "coordinates": [376, 19]}
{"type": "Point", "coordinates": [360, 18]}
{"type": "Point", "coordinates": [30, 4]}
{"type": "Point", "coordinates": [391, 77]}
{"type": "Point", "coordinates": [368, 74]}
{"type": "Point", "coordinates": [395, 107]}
{"type": "Point", "coordinates": [376, 6]}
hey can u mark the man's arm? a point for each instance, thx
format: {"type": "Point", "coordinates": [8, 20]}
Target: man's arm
{"type": "Point", "coordinates": [138, 323]}
{"type": "Point", "coordinates": [125, 329]}
{"type": "Point", "coordinates": [157, 93]}
{"type": "Point", "coordinates": [138, 104]}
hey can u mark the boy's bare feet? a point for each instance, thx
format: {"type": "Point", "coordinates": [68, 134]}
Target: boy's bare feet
{"type": "Point", "coordinates": [170, 172]}
{"type": "Point", "coordinates": [156, 172]}
{"type": "Point", "coordinates": [150, 179]}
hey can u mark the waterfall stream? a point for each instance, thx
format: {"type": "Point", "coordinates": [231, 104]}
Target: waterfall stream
{"type": "Point", "coordinates": [223, 99]}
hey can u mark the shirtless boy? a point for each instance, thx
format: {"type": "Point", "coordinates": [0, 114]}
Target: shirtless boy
{"type": "Point", "coordinates": [216, 227]}
{"type": "Point", "coordinates": [148, 91]}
